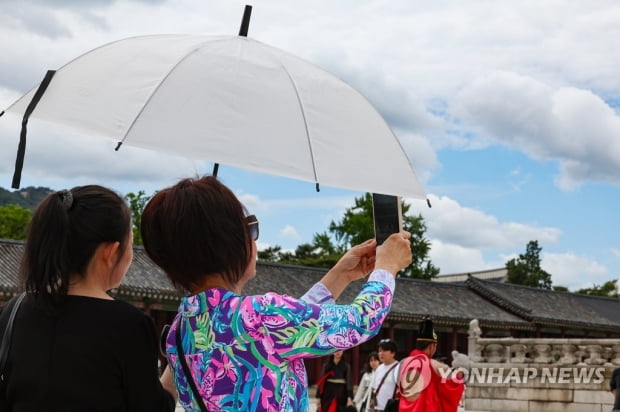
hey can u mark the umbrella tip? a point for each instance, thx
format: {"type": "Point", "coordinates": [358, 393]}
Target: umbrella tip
{"type": "Point", "coordinates": [428, 202]}
{"type": "Point", "coordinates": [118, 146]}
{"type": "Point", "coordinates": [318, 189]}
{"type": "Point", "coordinates": [245, 21]}
{"type": "Point", "coordinates": [1, 113]}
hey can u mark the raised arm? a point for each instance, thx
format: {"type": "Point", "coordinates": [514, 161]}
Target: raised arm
{"type": "Point", "coordinates": [298, 329]}
{"type": "Point", "coordinates": [358, 262]}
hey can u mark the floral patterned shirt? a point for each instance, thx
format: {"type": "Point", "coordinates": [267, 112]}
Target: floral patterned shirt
{"type": "Point", "coordinates": [246, 352]}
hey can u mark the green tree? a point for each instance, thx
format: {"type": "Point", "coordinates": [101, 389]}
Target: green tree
{"type": "Point", "coordinates": [270, 254]}
{"type": "Point", "coordinates": [608, 289]}
{"type": "Point", "coordinates": [320, 253]}
{"type": "Point", "coordinates": [136, 205]}
{"type": "Point", "coordinates": [357, 226]}
{"type": "Point", "coordinates": [14, 222]}
{"type": "Point", "coordinates": [525, 270]}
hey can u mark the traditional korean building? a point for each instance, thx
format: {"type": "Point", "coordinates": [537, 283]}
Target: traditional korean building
{"type": "Point", "coordinates": [502, 309]}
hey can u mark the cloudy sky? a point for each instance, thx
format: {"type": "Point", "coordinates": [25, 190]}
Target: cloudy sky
{"type": "Point", "coordinates": [509, 111]}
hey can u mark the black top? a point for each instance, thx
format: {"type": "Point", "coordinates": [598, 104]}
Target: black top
{"type": "Point", "coordinates": [614, 384]}
{"type": "Point", "coordinates": [86, 354]}
{"type": "Point", "coordinates": [341, 370]}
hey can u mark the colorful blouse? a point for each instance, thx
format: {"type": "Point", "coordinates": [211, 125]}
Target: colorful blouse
{"type": "Point", "coordinates": [246, 352]}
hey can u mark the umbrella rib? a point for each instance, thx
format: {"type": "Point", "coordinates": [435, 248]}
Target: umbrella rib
{"type": "Point", "coordinates": [303, 115]}
{"type": "Point", "coordinates": [146, 102]}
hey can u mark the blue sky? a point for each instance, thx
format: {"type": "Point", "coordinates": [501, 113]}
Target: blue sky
{"type": "Point", "coordinates": [508, 111]}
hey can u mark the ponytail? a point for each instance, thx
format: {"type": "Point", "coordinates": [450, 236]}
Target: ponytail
{"type": "Point", "coordinates": [65, 230]}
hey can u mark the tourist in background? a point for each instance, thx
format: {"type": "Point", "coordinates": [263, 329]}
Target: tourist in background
{"type": "Point", "coordinates": [364, 389]}
{"type": "Point", "coordinates": [335, 391]}
{"type": "Point", "coordinates": [423, 387]}
{"type": "Point", "coordinates": [386, 376]}
{"type": "Point", "coordinates": [614, 386]}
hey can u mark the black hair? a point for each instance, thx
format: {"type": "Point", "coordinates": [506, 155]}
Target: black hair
{"type": "Point", "coordinates": [387, 344]}
{"type": "Point", "coordinates": [196, 228]}
{"type": "Point", "coordinates": [65, 230]}
{"type": "Point", "coordinates": [371, 356]}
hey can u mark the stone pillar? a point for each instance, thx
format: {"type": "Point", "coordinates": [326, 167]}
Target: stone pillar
{"type": "Point", "coordinates": [474, 351]}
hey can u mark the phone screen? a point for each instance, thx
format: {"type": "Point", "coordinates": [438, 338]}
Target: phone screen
{"type": "Point", "coordinates": [387, 216]}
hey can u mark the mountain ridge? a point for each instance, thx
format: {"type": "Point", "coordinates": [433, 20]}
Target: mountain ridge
{"type": "Point", "coordinates": [26, 197]}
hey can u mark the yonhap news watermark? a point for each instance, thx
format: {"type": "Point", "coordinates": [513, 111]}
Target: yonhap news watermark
{"type": "Point", "coordinates": [514, 375]}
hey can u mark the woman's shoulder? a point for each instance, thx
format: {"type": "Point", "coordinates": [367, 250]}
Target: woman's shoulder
{"type": "Point", "coordinates": [114, 311]}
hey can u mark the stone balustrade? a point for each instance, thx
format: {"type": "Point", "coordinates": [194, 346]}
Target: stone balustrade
{"type": "Point", "coordinates": [537, 375]}
{"type": "Point", "coordinates": [580, 352]}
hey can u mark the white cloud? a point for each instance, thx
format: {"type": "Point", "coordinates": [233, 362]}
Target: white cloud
{"type": "Point", "coordinates": [452, 258]}
{"type": "Point", "coordinates": [452, 223]}
{"type": "Point", "coordinates": [573, 271]}
{"type": "Point", "coordinates": [572, 126]}
{"type": "Point", "coordinates": [251, 202]}
{"type": "Point", "coordinates": [615, 252]}
{"type": "Point", "coordinates": [290, 232]}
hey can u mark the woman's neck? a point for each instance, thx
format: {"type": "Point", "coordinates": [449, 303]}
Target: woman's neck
{"type": "Point", "coordinates": [79, 286]}
{"type": "Point", "coordinates": [216, 281]}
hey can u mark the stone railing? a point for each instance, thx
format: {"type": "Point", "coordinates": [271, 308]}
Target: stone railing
{"type": "Point", "coordinates": [580, 352]}
{"type": "Point", "coordinates": [537, 375]}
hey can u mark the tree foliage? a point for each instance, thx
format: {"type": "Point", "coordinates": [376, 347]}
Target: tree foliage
{"type": "Point", "coordinates": [608, 289]}
{"type": "Point", "coordinates": [355, 227]}
{"type": "Point", "coordinates": [14, 222]}
{"type": "Point", "coordinates": [320, 253]}
{"type": "Point", "coordinates": [525, 270]}
{"type": "Point", "coordinates": [137, 202]}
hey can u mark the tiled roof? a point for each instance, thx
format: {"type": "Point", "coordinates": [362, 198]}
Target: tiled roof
{"type": "Point", "coordinates": [551, 307]}
{"type": "Point", "coordinates": [494, 304]}
{"type": "Point", "coordinates": [456, 302]}
{"type": "Point", "coordinates": [10, 257]}
{"type": "Point", "coordinates": [447, 303]}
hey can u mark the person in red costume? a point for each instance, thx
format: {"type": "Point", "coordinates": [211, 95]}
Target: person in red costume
{"type": "Point", "coordinates": [425, 384]}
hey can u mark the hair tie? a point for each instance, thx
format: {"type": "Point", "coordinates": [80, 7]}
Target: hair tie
{"type": "Point", "coordinates": [66, 197]}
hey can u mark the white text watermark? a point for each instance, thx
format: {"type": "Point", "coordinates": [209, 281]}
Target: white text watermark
{"type": "Point", "coordinates": [552, 375]}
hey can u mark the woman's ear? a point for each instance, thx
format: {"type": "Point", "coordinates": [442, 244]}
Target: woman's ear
{"type": "Point", "coordinates": [108, 253]}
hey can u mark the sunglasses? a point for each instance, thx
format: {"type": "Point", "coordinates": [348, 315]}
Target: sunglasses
{"type": "Point", "coordinates": [252, 223]}
{"type": "Point", "coordinates": [385, 340]}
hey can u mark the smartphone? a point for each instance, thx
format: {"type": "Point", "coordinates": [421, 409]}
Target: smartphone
{"type": "Point", "coordinates": [387, 216]}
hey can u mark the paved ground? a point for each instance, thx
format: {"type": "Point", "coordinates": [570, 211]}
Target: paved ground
{"type": "Point", "coordinates": [312, 406]}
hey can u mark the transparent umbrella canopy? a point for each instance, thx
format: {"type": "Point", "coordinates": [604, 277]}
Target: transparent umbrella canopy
{"type": "Point", "coordinates": [230, 100]}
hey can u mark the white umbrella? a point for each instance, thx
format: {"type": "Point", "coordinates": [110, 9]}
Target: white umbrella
{"type": "Point", "coordinates": [233, 100]}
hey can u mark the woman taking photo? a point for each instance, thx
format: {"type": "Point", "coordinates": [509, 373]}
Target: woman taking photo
{"type": "Point", "coordinates": [74, 348]}
{"type": "Point", "coordinates": [233, 352]}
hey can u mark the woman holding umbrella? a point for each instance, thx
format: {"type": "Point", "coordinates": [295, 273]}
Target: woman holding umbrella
{"type": "Point", "coordinates": [234, 352]}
